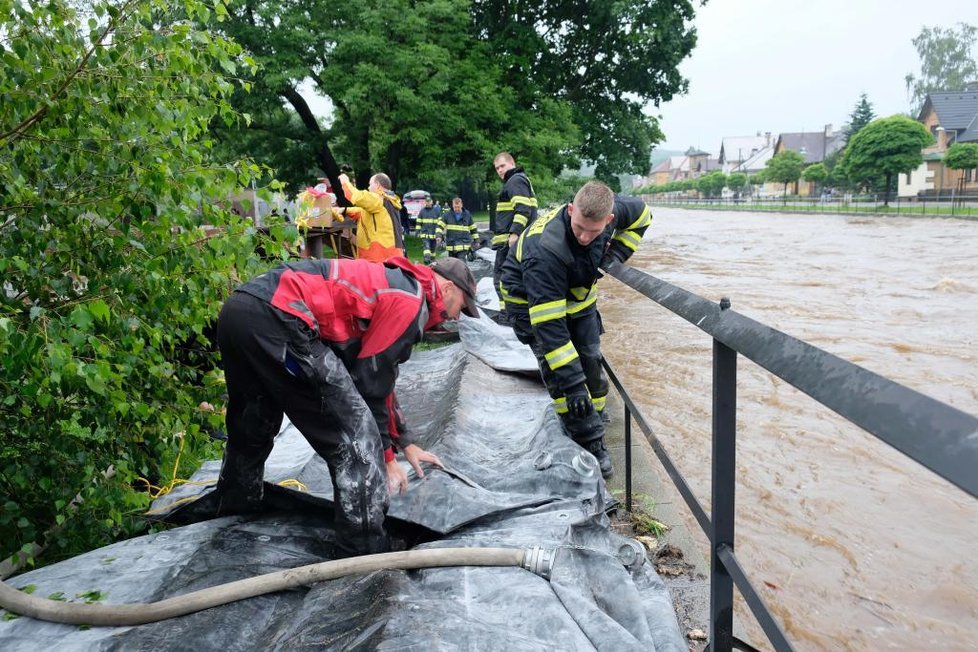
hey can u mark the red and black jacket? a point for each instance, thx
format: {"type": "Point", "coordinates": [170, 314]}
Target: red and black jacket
{"type": "Point", "coordinates": [370, 315]}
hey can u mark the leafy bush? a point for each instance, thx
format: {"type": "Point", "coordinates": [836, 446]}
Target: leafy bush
{"type": "Point", "coordinates": [109, 276]}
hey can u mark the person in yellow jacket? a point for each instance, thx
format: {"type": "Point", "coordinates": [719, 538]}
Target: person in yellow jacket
{"type": "Point", "coordinates": [379, 234]}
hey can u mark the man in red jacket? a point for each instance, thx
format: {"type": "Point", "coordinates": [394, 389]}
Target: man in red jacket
{"type": "Point", "coordinates": [321, 341]}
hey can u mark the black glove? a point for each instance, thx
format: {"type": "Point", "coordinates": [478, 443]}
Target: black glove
{"type": "Point", "coordinates": [579, 401]}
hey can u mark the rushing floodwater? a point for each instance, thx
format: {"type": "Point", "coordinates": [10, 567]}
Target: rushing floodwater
{"type": "Point", "coordinates": [852, 545]}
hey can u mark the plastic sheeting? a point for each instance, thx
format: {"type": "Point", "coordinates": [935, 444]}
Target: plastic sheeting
{"type": "Point", "coordinates": [514, 480]}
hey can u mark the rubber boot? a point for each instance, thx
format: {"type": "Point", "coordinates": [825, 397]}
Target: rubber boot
{"type": "Point", "coordinates": [600, 452]}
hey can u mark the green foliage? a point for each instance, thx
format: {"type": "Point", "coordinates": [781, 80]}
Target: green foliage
{"type": "Point", "coordinates": [429, 91]}
{"type": "Point", "coordinates": [816, 173]}
{"type": "Point", "coordinates": [784, 168]}
{"type": "Point", "coordinates": [109, 278]}
{"type": "Point", "coordinates": [884, 148]}
{"type": "Point", "coordinates": [608, 61]}
{"type": "Point", "coordinates": [737, 181]}
{"type": "Point", "coordinates": [711, 184]}
{"type": "Point", "coordinates": [962, 156]}
{"type": "Point", "coordinates": [947, 61]}
{"type": "Point", "coordinates": [861, 116]}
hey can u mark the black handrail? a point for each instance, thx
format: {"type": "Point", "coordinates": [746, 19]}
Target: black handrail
{"type": "Point", "coordinates": [942, 438]}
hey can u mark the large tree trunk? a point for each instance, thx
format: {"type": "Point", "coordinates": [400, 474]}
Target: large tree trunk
{"type": "Point", "coordinates": [324, 156]}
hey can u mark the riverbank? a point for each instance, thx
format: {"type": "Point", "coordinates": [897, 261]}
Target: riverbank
{"type": "Point", "coordinates": [902, 209]}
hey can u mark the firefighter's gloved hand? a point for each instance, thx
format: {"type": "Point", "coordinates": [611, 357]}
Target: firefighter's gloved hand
{"type": "Point", "coordinates": [579, 401]}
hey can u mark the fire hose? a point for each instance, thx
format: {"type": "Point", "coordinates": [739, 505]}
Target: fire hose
{"type": "Point", "coordinates": [535, 559]}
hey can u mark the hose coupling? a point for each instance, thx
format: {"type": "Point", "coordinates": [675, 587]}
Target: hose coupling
{"type": "Point", "coordinates": [539, 560]}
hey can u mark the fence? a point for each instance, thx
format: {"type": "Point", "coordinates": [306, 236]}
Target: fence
{"type": "Point", "coordinates": [936, 435]}
{"type": "Point", "coordinates": [941, 205]}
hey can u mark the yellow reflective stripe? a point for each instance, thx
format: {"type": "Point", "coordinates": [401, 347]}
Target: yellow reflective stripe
{"type": "Point", "coordinates": [560, 405]}
{"type": "Point", "coordinates": [457, 227]}
{"type": "Point", "coordinates": [500, 238]}
{"type": "Point", "coordinates": [580, 293]}
{"type": "Point", "coordinates": [505, 206]}
{"type": "Point", "coordinates": [543, 312]}
{"type": "Point", "coordinates": [561, 356]}
{"type": "Point", "coordinates": [629, 239]}
{"type": "Point", "coordinates": [643, 220]}
{"type": "Point", "coordinates": [509, 298]}
{"type": "Point", "coordinates": [526, 201]}
{"type": "Point", "coordinates": [519, 246]}
{"type": "Point", "coordinates": [519, 219]}
{"type": "Point", "coordinates": [599, 402]}
{"type": "Point", "coordinates": [575, 307]}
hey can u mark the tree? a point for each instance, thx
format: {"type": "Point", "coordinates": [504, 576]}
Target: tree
{"type": "Point", "coordinates": [711, 184]}
{"type": "Point", "coordinates": [609, 67]}
{"type": "Point", "coordinates": [736, 181]}
{"type": "Point", "coordinates": [946, 62]}
{"type": "Point", "coordinates": [421, 86]}
{"type": "Point", "coordinates": [861, 116]}
{"type": "Point", "coordinates": [110, 280]}
{"type": "Point", "coordinates": [816, 173]}
{"type": "Point", "coordinates": [884, 148]}
{"type": "Point", "coordinates": [962, 156]}
{"type": "Point", "coordinates": [411, 90]}
{"type": "Point", "coordinates": [784, 168]}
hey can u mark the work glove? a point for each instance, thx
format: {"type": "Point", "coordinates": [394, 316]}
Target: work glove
{"type": "Point", "coordinates": [579, 401]}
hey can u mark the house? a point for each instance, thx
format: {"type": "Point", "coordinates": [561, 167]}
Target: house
{"type": "Point", "coordinates": [734, 150]}
{"type": "Point", "coordinates": [951, 117]}
{"type": "Point", "coordinates": [814, 146]}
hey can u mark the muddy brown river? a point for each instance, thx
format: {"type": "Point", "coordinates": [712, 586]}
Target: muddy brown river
{"type": "Point", "coordinates": [852, 545]}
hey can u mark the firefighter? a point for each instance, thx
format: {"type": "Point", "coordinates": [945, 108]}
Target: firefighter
{"type": "Point", "coordinates": [379, 235]}
{"type": "Point", "coordinates": [549, 284]}
{"type": "Point", "coordinates": [515, 209]}
{"type": "Point", "coordinates": [321, 341]}
{"type": "Point", "coordinates": [430, 229]}
{"type": "Point", "coordinates": [461, 236]}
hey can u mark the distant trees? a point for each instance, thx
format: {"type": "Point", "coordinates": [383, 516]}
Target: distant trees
{"type": "Point", "coordinates": [711, 184]}
{"type": "Point", "coordinates": [784, 168]}
{"type": "Point", "coordinates": [884, 148]}
{"type": "Point", "coordinates": [816, 174]}
{"type": "Point", "coordinates": [861, 116]}
{"type": "Point", "coordinates": [737, 181]}
{"type": "Point", "coordinates": [962, 156]}
{"type": "Point", "coordinates": [946, 61]}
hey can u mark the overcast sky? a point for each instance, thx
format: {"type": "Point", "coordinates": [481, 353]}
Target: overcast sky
{"type": "Point", "coordinates": [796, 65]}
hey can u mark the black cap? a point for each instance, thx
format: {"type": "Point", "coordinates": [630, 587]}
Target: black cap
{"type": "Point", "coordinates": [458, 273]}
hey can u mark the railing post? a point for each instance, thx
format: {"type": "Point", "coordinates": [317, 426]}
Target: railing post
{"type": "Point", "coordinates": [724, 482]}
{"type": "Point", "coordinates": [628, 460]}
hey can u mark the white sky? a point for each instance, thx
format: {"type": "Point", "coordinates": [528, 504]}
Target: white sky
{"type": "Point", "coordinates": [797, 65]}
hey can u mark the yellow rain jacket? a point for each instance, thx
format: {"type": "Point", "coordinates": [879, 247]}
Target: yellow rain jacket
{"type": "Point", "coordinates": [377, 230]}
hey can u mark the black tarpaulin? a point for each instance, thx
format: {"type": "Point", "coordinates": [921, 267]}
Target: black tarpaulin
{"type": "Point", "coordinates": [513, 480]}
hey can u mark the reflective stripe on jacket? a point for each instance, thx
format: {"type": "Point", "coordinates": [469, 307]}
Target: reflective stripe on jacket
{"type": "Point", "coordinates": [516, 208]}
{"type": "Point", "coordinates": [459, 229]}
{"type": "Point", "coordinates": [551, 277]}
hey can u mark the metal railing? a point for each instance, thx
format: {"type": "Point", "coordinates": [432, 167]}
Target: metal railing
{"type": "Point", "coordinates": [939, 205]}
{"type": "Point", "coordinates": [938, 436]}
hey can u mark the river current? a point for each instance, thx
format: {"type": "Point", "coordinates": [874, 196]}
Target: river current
{"type": "Point", "coordinates": [851, 544]}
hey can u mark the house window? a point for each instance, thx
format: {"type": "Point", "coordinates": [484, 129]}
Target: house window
{"type": "Point", "coordinates": [967, 176]}
{"type": "Point", "coordinates": [908, 178]}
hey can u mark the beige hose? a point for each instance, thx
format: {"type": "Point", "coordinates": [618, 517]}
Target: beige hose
{"type": "Point", "coordinates": [535, 559]}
